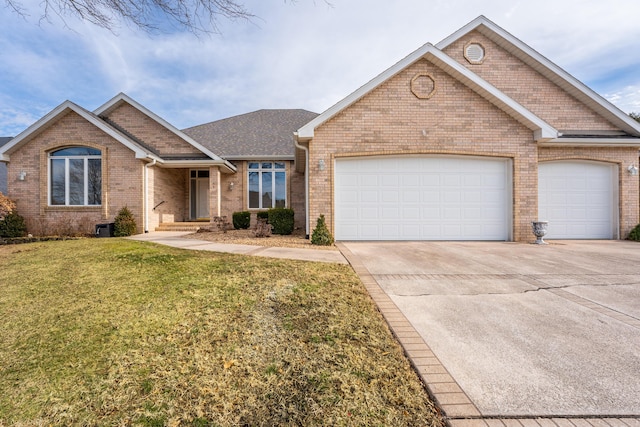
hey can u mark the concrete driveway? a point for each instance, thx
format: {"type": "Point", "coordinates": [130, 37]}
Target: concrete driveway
{"type": "Point", "coordinates": [514, 330]}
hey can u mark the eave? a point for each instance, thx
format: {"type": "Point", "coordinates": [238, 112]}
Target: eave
{"type": "Point", "coordinates": [224, 165]}
{"type": "Point", "coordinates": [591, 142]}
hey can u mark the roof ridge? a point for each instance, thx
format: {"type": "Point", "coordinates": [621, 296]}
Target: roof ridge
{"type": "Point", "coordinates": [247, 114]}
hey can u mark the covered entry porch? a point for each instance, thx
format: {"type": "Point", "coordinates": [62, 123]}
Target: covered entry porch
{"type": "Point", "coordinates": [185, 197]}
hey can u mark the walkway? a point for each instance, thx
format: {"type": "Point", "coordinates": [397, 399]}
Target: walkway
{"type": "Point", "coordinates": [176, 240]}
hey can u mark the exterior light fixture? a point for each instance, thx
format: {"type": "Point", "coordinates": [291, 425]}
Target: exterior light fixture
{"type": "Point", "coordinates": [231, 184]}
{"type": "Point", "coordinates": [22, 175]}
{"type": "Point", "coordinates": [321, 164]}
{"type": "Point", "coordinates": [633, 170]}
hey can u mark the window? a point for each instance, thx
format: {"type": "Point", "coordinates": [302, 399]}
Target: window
{"type": "Point", "coordinates": [75, 177]}
{"type": "Point", "coordinates": [267, 185]}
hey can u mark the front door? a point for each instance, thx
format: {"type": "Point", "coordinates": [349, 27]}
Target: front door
{"type": "Point", "coordinates": [199, 194]}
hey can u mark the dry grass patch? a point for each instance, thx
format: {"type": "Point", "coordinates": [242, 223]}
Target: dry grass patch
{"type": "Point", "coordinates": [118, 332]}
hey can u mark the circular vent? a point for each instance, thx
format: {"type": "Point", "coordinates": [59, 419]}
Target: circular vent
{"type": "Point", "coordinates": [474, 53]}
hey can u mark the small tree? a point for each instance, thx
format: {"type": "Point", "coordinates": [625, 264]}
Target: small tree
{"type": "Point", "coordinates": [321, 235]}
{"type": "Point", "coordinates": [6, 206]}
{"type": "Point", "coordinates": [635, 234]}
{"type": "Point", "coordinates": [124, 223]}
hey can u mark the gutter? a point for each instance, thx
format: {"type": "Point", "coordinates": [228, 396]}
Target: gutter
{"type": "Point", "coordinates": [306, 182]}
{"type": "Point", "coordinates": [146, 195]}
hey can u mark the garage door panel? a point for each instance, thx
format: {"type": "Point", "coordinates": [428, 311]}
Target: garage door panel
{"type": "Point", "coordinates": [423, 197]}
{"type": "Point", "coordinates": [390, 214]}
{"type": "Point", "coordinates": [410, 181]}
{"type": "Point", "coordinates": [430, 180]}
{"type": "Point", "coordinates": [579, 199]}
{"type": "Point", "coordinates": [410, 196]}
{"type": "Point", "coordinates": [368, 213]}
{"type": "Point", "coordinates": [390, 196]}
{"type": "Point", "coordinates": [411, 213]}
{"type": "Point", "coordinates": [390, 181]}
{"type": "Point", "coordinates": [369, 196]}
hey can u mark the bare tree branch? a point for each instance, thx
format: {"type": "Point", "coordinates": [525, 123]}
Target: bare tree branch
{"type": "Point", "coordinates": [196, 16]}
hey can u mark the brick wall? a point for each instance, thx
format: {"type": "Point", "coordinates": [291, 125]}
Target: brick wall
{"type": "Point", "coordinates": [121, 180]}
{"type": "Point", "coordinates": [148, 130]}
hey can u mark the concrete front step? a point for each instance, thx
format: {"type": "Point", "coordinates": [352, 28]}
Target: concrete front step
{"type": "Point", "coordinates": [182, 226]}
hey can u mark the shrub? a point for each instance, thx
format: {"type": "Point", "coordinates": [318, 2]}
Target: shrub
{"type": "Point", "coordinates": [12, 225]}
{"type": "Point", "coordinates": [263, 215]}
{"type": "Point", "coordinates": [124, 223]}
{"type": "Point", "coordinates": [635, 234]}
{"type": "Point", "coordinates": [282, 220]}
{"type": "Point", "coordinates": [321, 235]}
{"type": "Point", "coordinates": [241, 220]}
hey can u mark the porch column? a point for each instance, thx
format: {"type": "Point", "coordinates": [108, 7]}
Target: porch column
{"type": "Point", "coordinates": [215, 205]}
{"type": "Point", "coordinates": [218, 193]}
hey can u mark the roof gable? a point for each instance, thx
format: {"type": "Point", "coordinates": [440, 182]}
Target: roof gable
{"type": "Point", "coordinates": [546, 68]}
{"type": "Point", "coordinates": [57, 113]}
{"type": "Point", "coordinates": [541, 129]}
{"type": "Point", "coordinates": [116, 102]}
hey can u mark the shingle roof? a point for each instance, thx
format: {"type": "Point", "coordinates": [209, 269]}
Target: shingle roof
{"type": "Point", "coordinates": [262, 133]}
{"type": "Point", "coordinates": [3, 167]}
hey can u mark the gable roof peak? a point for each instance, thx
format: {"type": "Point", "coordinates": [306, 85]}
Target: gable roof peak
{"type": "Point", "coordinates": [548, 69]}
{"type": "Point", "coordinates": [542, 130]}
{"type": "Point", "coordinates": [59, 112]}
{"type": "Point", "coordinates": [123, 97]}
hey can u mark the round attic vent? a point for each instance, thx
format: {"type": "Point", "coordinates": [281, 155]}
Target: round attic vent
{"type": "Point", "coordinates": [474, 53]}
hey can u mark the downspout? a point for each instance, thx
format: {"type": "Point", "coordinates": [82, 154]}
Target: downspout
{"type": "Point", "coordinates": [306, 182]}
{"type": "Point", "coordinates": [146, 194]}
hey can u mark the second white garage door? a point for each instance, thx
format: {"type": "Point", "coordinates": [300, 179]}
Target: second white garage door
{"type": "Point", "coordinates": [422, 198]}
{"type": "Point", "coordinates": [579, 199]}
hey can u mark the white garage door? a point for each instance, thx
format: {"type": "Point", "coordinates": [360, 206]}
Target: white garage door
{"type": "Point", "coordinates": [579, 199]}
{"type": "Point", "coordinates": [422, 198]}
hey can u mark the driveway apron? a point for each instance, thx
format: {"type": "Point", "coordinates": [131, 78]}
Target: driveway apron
{"type": "Point", "coordinates": [515, 330]}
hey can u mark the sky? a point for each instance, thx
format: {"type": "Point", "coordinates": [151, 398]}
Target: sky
{"type": "Point", "coordinates": [294, 54]}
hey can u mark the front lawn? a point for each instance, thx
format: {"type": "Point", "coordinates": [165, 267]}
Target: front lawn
{"type": "Point", "coordinates": [116, 332]}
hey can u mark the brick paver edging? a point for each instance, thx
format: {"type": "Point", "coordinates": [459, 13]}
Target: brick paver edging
{"type": "Point", "coordinates": [450, 398]}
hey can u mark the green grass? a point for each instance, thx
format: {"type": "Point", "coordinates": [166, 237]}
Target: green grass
{"type": "Point", "coordinates": [118, 332]}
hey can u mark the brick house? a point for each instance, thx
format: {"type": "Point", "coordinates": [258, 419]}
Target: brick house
{"type": "Point", "coordinates": [472, 139]}
{"type": "Point", "coordinates": [469, 139]}
{"type": "Point", "coordinates": [74, 169]}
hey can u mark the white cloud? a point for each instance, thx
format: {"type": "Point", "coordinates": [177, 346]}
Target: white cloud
{"type": "Point", "coordinates": [627, 99]}
{"type": "Point", "coordinates": [302, 54]}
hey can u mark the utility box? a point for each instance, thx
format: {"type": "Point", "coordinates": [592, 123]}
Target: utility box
{"type": "Point", "coordinates": [105, 230]}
